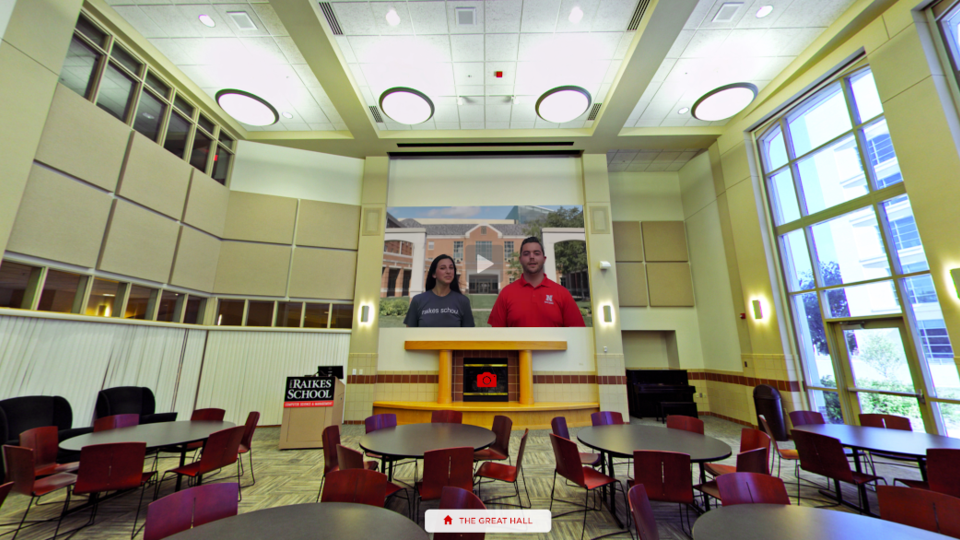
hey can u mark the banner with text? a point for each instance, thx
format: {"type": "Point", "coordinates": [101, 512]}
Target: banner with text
{"type": "Point", "coordinates": [488, 521]}
{"type": "Point", "coordinates": [309, 392]}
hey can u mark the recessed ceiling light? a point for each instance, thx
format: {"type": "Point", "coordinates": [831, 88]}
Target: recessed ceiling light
{"type": "Point", "coordinates": [563, 104]}
{"type": "Point", "coordinates": [285, 114]}
{"type": "Point", "coordinates": [459, 100]}
{"type": "Point", "coordinates": [764, 11]}
{"type": "Point", "coordinates": [576, 14]}
{"type": "Point", "coordinates": [392, 18]}
{"type": "Point", "coordinates": [406, 105]}
{"type": "Point", "coordinates": [207, 20]}
{"type": "Point", "coordinates": [684, 110]}
{"type": "Point", "coordinates": [247, 108]}
{"type": "Point", "coordinates": [723, 102]}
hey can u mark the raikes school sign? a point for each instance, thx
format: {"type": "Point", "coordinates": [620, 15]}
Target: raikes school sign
{"type": "Point", "coordinates": [309, 392]}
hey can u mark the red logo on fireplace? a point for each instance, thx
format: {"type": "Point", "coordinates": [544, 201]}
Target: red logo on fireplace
{"type": "Point", "coordinates": [486, 380]}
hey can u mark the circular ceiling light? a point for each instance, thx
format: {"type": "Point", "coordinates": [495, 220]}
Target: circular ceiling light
{"type": "Point", "coordinates": [247, 108]}
{"type": "Point", "coordinates": [287, 115]}
{"type": "Point", "coordinates": [575, 15]}
{"type": "Point", "coordinates": [723, 102]}
{"type": "Point", "coordinates": [563, 104]}
{"type": "Point", "coordinates": [406, 105]}
{"type": "Point", "coordinates": [392, 18]}
{"type": "Point", "coordinates": [764, 11]}
{"type": "Point", "coordinates": [207, 20]}
{"type": "Point", "coordinates": [684, 110]}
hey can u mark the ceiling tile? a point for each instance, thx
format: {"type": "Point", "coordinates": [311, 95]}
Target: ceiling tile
{"type": "Point", "coordinates": [452, 18]}
{"type": "Point", "coordinates": [290, 50]}
{"type": "Point", "coordinates": [270, 20]}
{"type": "Point", "coordinates": [614, 15]}
{"type": "Point", "coordinates": [171, 21]}
{"type": "Point", "coordinates": [708, 21]}
{"type": "Point", "coordinates": [446, 114]}
{"type": "Point", "coordinates": [503, 16]}
{"type": "Point", "coordinates": [428, 17]}
{"type": "Point", "coordinates": [543, 124]}
{"type": "Point", "coordinates": [447, 125]}
{"type": "Point", "coordinates": [471, 112]}
{"type": "Point", "coordinates": [524, 112]}
{"type": "Point", "coordinates": [658, 166]}
{"type": "Point", "coordinates": [499, 90]}
{"type": "Point", "coordinates": [261, 30]}
{"type": "Point", "coordinates": [802, 39]}
{"type": "Point", "coordinates": [321, 126]}
{"type": "Point", "coordinates": [705, 43]}
{"type": "Point", "coordinates": [589, 9]}
{"type": "Point", "coordinates": [498, 113]}
{"type": "Point", "coordinates": [290, 125]}
{"type": "Point", "coordinates": [617, 167]}
{"type": "Point", "coordinates": [508, 69]}
{"type": "Point", "coordinates": [699, 13]}
{"type": "Point", "coordinates": [141, 21]}
{"type": "Point", "coordinates": [476, 91]}
{"type": "Point", "coordinates": [264, 50]}
{"type": "Point", "coordinates": [683, 39]}
{"type": "Point", "coordinates": [357, 71]}
{"type": "Point", "coordinates": [344, 43]}
{"type": "Point", "coordinates": [522, 125]}
{"type": "Point", "coordinates": [813, 13]}
{"type": "Point", "coordinates": [468, 73]}
{"type": "Point", "coordinates": [675, 166]}
{"type": "Point", "coordinates": [539, 15]}
{"type": "Point", "coordinates": [625, 40]}
{"type": "Point", "coordinates": [468, 48]}
{"type": "Point", "coordinates": [307, 77]}
{"type": "Point", "coordinates": [743, 43]}
{"type": "Point", "coordinates": [172, 50]}
{"type": "Point", "coordinates": [501, 47]}
{"type": "Point", "coordinates": [497, 125]}
{"type": "Point", "coordinates": [380, 10]}
{"type": "Point", "coordinates": [636, 167]}
{"type": "Point", "coordinates": [750, 20]}
{"type": "Point", "coordinates": [471, 125]}
{"type": "Point", "coordinates": [355, 18]}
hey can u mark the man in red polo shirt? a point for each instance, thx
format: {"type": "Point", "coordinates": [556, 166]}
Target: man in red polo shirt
{"type": "Point", "coordinates": [533, 300]}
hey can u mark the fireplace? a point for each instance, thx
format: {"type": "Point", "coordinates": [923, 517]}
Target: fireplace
{"type": "Point", "coordinates": [485, 379]}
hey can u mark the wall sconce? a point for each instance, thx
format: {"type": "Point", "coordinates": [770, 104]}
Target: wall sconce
{"type": "Point", "coordinates": [955, 274]}
{"type": "Point", "coordinates": [607, 310]}
{"type": "Point", "coordinates": [365, 314]}
{"type": "Point", "coordinates": [757, 310]}
{"type": "Point", "coordinates": [605, 265]}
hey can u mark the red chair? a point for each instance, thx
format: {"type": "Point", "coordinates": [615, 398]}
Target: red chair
{"type": "Point", "coordinates": [507, 473]}
{"type": "Point", "coordinates": [111, 467]}
{"type": "Point", "coordinates": [221, 448]}
{"type": "Point", "coordinates": [751, 461]}
{"type": "Point", "coordinates": [886, 421]}
{"type": "Point", "coordinates": [788, 454]}
{"type": "Point", "coordinates": [500, 449]}
{"type": "Point", "coordinates": [44, 441]}
{"type": "Point", "coordinates": [751, 488]}
{"type": "Point", "coordinates": [444, 467]}
{"type": "Point", "coordinates": [824, 455]}
{"type": "Point", "coordinates": [189, 508]}
{"type": "Point", "coordinates": [246, 442]}
{"type": "Point", "coordinates": [116, 421]}
{"type": "Point", "coordinates": [454, 498]}
{"type": "Point", "coordinates": [446, 417]}
{"type": "Point", "coordinates": [559, 426]}
{"type": "Point", "coordinates": [642, 513]}
{"type": "Point", "coordinates": [920, 508]}
{"type": "Point", "coordinates": [686, 423]}
{"type": "Point", "coordinates": [348, 458]}
{"type": "Point", "coordinates": [750, 439]}
{"type": "Point", "coordinates": [331, 439]}
{"type": "Point", "coordinates": [208, 415]}
{"type": "Point", "coordinates": [606, 418]}
{"type": "Point", "coordinates": [21, 471]}
{"type": "Point", "coordinates": [943, 472]}
{"type": "Point", "coordinates": [805, 418]}
{"type": "Point", "coordinates": [570, 467]}
{"type": "Point", "coordinates": [380, 421]}
{"type": "Point", "coordinates": [359, 486]}
{"type": "Point", "coordinates": [665, 476]}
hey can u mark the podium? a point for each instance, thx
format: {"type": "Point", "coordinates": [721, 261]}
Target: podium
{"type": "Point", "coordinates": [310, 405]}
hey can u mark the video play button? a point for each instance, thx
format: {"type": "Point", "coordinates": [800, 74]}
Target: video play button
{"type": "Point", "coordinates": [483, 263]}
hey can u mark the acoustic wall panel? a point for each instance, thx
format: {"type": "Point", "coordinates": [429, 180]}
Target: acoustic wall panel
{"type": "Point", "coordinates": [196, 264]}
{"type": "Point", "coordinates": [260, 218]}
{"type": "Point", "coordinates": [664, 241]}
{"type": "Point", "coordinates": [207, 204]}
{"type": "Point", "coordinates": [139, 243]}
{"type": "Point", "coordinates": [670, 284]}
{"type": "Point", "coordinates": [627, 242]}
{"type": "Point", "coordinates": [323, 273]}
{"type": "Point", "coordinates": [252, 269]}
{"type": "Point", "coordinates": [154, 177]}
{"type": "Point", "coordinates": [330, 225]}
{"type": "Point", "coordinates": [631, 284]}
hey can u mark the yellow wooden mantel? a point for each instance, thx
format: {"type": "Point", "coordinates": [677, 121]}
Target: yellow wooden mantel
{"type": "Point", "coordinates": [446, 348]}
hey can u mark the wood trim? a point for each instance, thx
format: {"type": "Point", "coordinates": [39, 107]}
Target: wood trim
{"type": "Point", "coordinates": [484, 406]}
{"type": "Point", "coordinates": [485, 345]}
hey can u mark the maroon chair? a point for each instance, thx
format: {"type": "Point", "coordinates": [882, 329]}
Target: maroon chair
{"type": "Point", "coordinates": [22, 472]}
{"type": "Point", "coordinates": [348, 458]}
{"type": "Point", "coordinates": [507, 473]}
{"type": "Point", "coordinates": [665, 476]}
{"type": "Point", "coordinates": [824, 455]}
{"type": "Point", "coordinates": [750, 439]}
{"type": "Point", "coordinates": [751, 488]}
{"type": "Point", "coordinates": [380, 421]}
{"type": "Point", "coordinates": [454, 498]}
{"type": "Point", "coordinates": [221, 448]}
{"type": "Point", "coordinates": [920, 508]}
{"type": "Point", "coordinates": [208, 415]}
{"type": "Point", "coordinates": [111, 467]}
{"type": "Point", "coordinates": [886, 421]}
{"type": "Point", "coordinates": [686, 423]}
{"type": "Point", "coordinates": [446, 417]}
{"type": "Point", "coordinates": [331, 439]}
{"type": "Point", "coordinates": [246, 442]}
{"type": "Point", "coordinates": [189, 508]}
{"type": "Point", "coordinates": [500, 449]}
{"type": "Point", "coordinates": [642, 513]}
{"type": "Point", "coordinates": [45, 443]}
{"type": "Point", "coordinates": [751, 461]}
{"type": "Point", "coordinates": [606, 418]}
{"type": "Point", "coordinates": [559, 426]}
{"type": "Point", "coordinates": [359, 486]}
{"type": "Point", "coordinates": [444, 467]}
{"type": "Point", "coordinates": [805, 418]}
{"type": "Point", "coordinates": [943, 472]}
{"type": "Point", "coordinates": [570, 467]}
{"type": "Point", "coordinates": [116, 421]}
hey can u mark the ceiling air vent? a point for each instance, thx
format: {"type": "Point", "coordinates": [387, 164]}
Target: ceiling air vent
{"type": "Point", "coordinates": [376, 114]}
{"type": "Point", "coordinates": [331, 18]}
{"type": "Point", "coordinates": [242, 20]}
{"type": "Point", "coordinates": [638, 14]}
{"type": "Point", "coordinates": [466, 16]}
{"type": "Point", "coordinates": [594, 111]}
{"type": "Point", "coordinates": [727, 12]}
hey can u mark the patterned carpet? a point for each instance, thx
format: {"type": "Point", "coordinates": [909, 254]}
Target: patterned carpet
{"type": "Point", "coordinates": [293, 477]}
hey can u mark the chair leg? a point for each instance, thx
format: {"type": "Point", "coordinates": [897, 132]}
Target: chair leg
{"type": "Point", "coordinates": [239, 487]}
{"type": "Point", "coordinates": [66, 504]}
{"type": "Point", "coordinates": [250, 457]}
{"type": "Point", "coordinates": [554, 487]}
{"type": "Point", "coordinates": [586, 502]}
{"type": "Point", "coordinates": [137, 515]}
{"type": "Point", "coordinates": [24, 519]}
{"type": "Point", "coordinates": [322, 480]}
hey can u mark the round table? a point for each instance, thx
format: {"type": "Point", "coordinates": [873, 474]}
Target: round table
{"type": "Point", "coordinates": [313, 521]}
{"type": "Point", "coordinates": [783, 522]}
{"type": "Point", "coordinates": [413, 440]}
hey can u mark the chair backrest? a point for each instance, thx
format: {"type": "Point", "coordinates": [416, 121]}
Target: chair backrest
{"type": "Point", "coordinates": [111, 466]}
{"type": "Point", "coordinates": [523, 444]}
{"type": "Point", "coordinates": [44, 442]}
{"type": "Point", "coordinates": [446, 417]}
{"type": "Point", "coordinates": [769, 432]}
{"type": "Point", "coordinates": [5, 490]}
{"type": "Point", "coordinates": [559, 426]}
{"type": "Point", "coordinates": [348, 458]}
{"type": "Point", "coordinates": [208, 415]}
{"type": "Point", "coordinates": [330, 438]}
{"type": "Point", "coordinates": [502, 427]}
{"type": "Point", "coordinates": [887, 421]}
{"type": "Point", "coordinates": [822, 455]}
{"type": "Point", "coordinates": [753, 461]}
{"type": "Point", "coordinates": [454, 498]}
{"type": "Point", "coordinates": [252, 419]}
{"type": "Point", "coordinates": [665, 475]}
{"type": "Point", "coordinates": [355, 486]}
{"type": "Point", "coordinates": [642, 513]}
{"type": "Point", "coordinates": [191, 507]}
{"type": "Point", "coordinates": [803, 418]}
{"type": "Point", "coordinates": [920, 508]}
{"type": "Point", "coordinates": [606, 418]}
{"type": "Point", "coordinates": [220, 449]}
{"type": "Point", "coordinates": [116, 421]}
{"type": "Point", "coordinates": [751, 488]}
{"type": "Point", "coordinates": [20, 467]}
{"type": "Point", "coordinates": [943, 471]}
{"type": "Point", "coordinates": [380, 421]}
{"type": "Point", "coordinates": [446, 467]}
{"type": "Point", "coordinates": [26, 412]}
{"type": "Point", "coordinates": [125, 400]}
{"type": "Point", "coordinates": [753, 438]}
{"type": "Point", "coordinates": [686, 423]}
{"type": "Point", "coordinates": [567, 455]}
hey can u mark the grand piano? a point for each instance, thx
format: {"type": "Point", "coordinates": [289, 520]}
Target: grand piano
{"type": "Point", "coordinates": [658, 392]}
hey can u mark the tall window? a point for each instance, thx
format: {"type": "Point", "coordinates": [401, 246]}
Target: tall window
{"type": "Point", "coordinates": [457, 250]}
{"type": "Point", "coordinates": [485, 250]}
{"type": "Point", "coordinates": [507, 249]}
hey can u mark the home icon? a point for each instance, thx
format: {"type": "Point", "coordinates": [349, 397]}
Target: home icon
{"type": "Point", "coordinates": [448, 520]}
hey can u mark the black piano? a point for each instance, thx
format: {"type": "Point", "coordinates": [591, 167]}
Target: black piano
{"type": "Point", "coordinates": [658, 392]}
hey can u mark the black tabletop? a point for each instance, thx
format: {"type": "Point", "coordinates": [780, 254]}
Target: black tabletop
{"type": "Point", "coordinates": [412, 440]}
{"type": "Point", "coordinates": [622, 440]}
{"type": "Point", "coordinates": [787, 522]}
{"type": "Point", "coordinates": [314, 521]}
{"type": "Point", "coordinates": [155, 435]}
{"type": "Point", "coordinates": [893, 441]}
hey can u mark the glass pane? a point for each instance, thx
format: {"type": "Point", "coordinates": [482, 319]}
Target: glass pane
{"type": "Point", "coordinates": [877, 359]}
{"type": "Point", "coordinates": [880, 152]}
{"type": "Point", "coordinates": [167, 310]}
{"type": "Point", "coordinates": [116, 93]}
{"type": "Point", "coordinates": [833, 175]}
{"type": "Point", "coordinates": [201, 151]}
{"type": "Point", "coordinates": [774, 151]}
{"type": "Point", "coordinates": [865, 95]}
{"type": "Point", "coordinates": [183, 105]}
{"type": "Point", "coordinates": [878, 298]}
{"type": "Point", "coordinates": [316, 316]}
{"type": "Point", "coordinates": [221, 165]}
{"type": "Point", "coordinates": [908, 250]}
{"type": "Point", "coordinates": [897, 405]}
{"type": "Point", "coordinates": [796, 261]}
{"type": "Point", "coordinates": [90, 30]}
{"type": "Point", "coordinates": [822, 118]}
{"type": "Point", "coordinates": [259, 313]}
{"type": "Point", "coordinates": [177, 131]}
{"type": "Point", "coordinates": [231, 313]}
{"type": "Point", "coordinates": [138, 302]}
{"type": "Point", "coordinates": [149, 115]}
{"type": "Point", "coordinates": [288, 314]}
{"type": "Point", "coordinates": [59, 292]}
{"type": "Point", "coordinates": [813, 340]}
{"type": "Point", "coordinates": [78, 67]}
{"type": "Point", "coordinates": [849, 248]}
{"type": "Point", "coordinates": [126, 59]}
{"type": "Point", "coordinates": [103, 298]}
{"type": "Point", "coordinates": [933, 340]}
{"type": "Point", "coordinates": [158, 85]}
{"type": "Point", "coordinates": [342, 316]}
{"type": "Point", "coordinates": [828, 403]}
{"type": "Point", "coordinates": [194, 308]}
{"type": "Point", "coordinates": [784, 197]}
{"type": "Point", "coordinates": [206, 123]}
{"type": "Point", "coordinates": [14, 280]}
{"type": "Point", "coordinates": [950, 414]}
{"type": "Point", "coordinates": [226, 139]}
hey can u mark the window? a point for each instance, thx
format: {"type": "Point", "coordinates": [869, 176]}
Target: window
{"type": "Point", "coordinates": [288, 314]}
{"type": "Point", "coordinates": [104, 295]}
{"type": "Point", "coordinates": [138, 302]}
{"type": "Point", "coordinates": [485, 250]}
{"type": "Point", "coordinates": [316, 316]}
{"type": "Point", "coordinates": [457, 250]}
{"type": "Point", "coordinates": [193, 313]}
{"type": "Point", "coordinates": [60, 291]}
{"type": "Point", "coordinates": [168, 307]}
{"type": "Point", "coordinates": [14, 283]}
{"type": "Point", "coordinates": [507, 249]}
{"type": "Point", "coordinates": [341, 316]}
{"type": "Point", "coordinates": [430, 245]}
{"type": "Point", "coordinates": [483, 230]}
{"type": "Point", "coordinates": [230, 313]}
{"type": "Point", "coordinates": [259, 313]}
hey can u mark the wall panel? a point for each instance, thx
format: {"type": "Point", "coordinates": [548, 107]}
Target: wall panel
{"type": "Point", "coordinates": [252, 269]}
{"type": "Point", "coordinates": [139, 243]}
{"type": "Point", "coordinates": [328, 225]}
{"type": "Point", "coordinates": [206, 204]}
{"type": "Point", "coordinates": [260, 218]}
{"type": "Point", "coordinates": [154, 177]}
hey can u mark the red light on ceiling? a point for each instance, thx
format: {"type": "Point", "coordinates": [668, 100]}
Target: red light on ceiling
{"type": "Point", "coordinates": [498, 74]}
